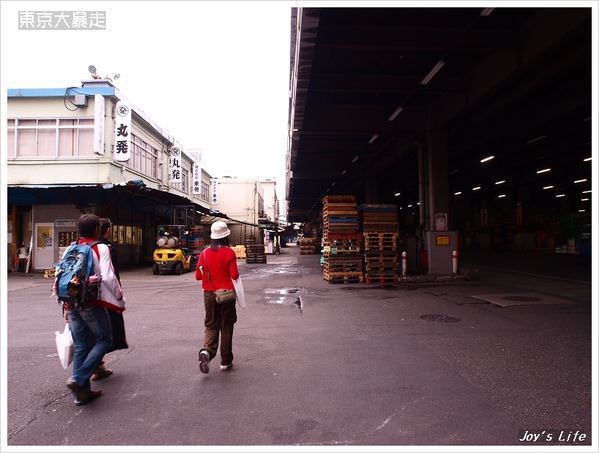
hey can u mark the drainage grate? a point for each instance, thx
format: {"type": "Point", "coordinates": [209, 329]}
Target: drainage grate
{"type": "Point", "coordinates": [522, 298]}
{"type": "Point", "coordinates": [440, 318]}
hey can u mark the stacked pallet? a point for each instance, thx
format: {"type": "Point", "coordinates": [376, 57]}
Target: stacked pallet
{"type": "Point", "coordinates": [379, 228]}
{"type": "Point", "coordinates": [239, 251]}
{"type": "Point", "coordinates": [342, 240]}
{"type": "Point", "coordinates": [254, 254]}
{"type": "Point", "coordinates": [307, 246]}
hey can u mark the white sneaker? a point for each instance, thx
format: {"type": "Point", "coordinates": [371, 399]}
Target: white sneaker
{"type": "Point", "coordinates": [226, 367]}
{"type": "Point", "coordinates": [204, 361]}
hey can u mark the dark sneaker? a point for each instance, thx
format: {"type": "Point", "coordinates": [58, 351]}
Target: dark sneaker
{"type": "Point", "coordinates": [92, 395]}
{"type": "Point", "coordinates": [82, 395]}
{"type": "Point", "coordinates": [101, 373]}
{"type": "Point", "coordinates": [226, 367]}
{"type": "Point", "coordinates": [204, 361]}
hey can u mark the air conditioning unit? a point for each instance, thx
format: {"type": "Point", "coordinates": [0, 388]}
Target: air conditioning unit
{"type": "Point", "coordinates": [80, 100]}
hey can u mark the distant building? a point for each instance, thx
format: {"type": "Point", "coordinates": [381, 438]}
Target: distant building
{"type": "Point", "coordinates": [252, 202]}
{"type": "Point", "coordinates": [242, 200]}
{"type": "Point", "coordinates": [271, 202]}
{"type": "Point", "coordinates": [62, 162]}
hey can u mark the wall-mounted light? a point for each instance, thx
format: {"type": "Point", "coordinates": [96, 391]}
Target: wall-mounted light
{"type": "Point", "coordinates": [355, 159]}
{"type": "Point", "coordinates": [486, 159]}
{"type": "Point", "coordinates": [373, 138]}
{"type": "Point", "coordinates": [433, 72]}
{"type": "Point", "coordinates": [476, 188]}
{"type": "Point", "coordinates": [395, 113]}
{"type": "Point", "coordinates": [578, 181]}
{"type": "Point", "coordinates": [457, 193]}
{"type": "Point", "coordinates": [343, 172]}
{"type": "Point", "coordinates": [560, 195]}
{"type": "Point", "coordinates": [397, 194]}
{"type": "Point", "coordinates": [544, 170]}
{"type": "Point", "coordinates": [499, 182]}
{"type": "Point", "coordinates": [548, 187]}
{"type": "Point", "coordinates": [536, 139]}
{"type": "Point", "coordinates": [588, 159]}
{"type": "Point", "coordinates": [501, 196]}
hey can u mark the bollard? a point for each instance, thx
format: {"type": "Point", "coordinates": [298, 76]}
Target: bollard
{"type": "Point", "coordinates": [454, 261]}
{"type": "Point", "coordinates": [404, 263]}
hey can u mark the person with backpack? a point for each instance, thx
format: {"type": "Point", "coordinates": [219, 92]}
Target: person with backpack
{"type": "Point", "coordinates": [117, 324]}
{"type": "Point", "coordinates": [87, 286]}
{"type": "Point", "coordinates": [217, 267]}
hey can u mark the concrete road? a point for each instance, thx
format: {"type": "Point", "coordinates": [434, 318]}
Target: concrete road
{"type": "Point", "coordinates": [315, 364]}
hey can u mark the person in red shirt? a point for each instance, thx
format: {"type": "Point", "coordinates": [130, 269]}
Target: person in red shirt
{"type": "Point", "coordinates": [216, 268]}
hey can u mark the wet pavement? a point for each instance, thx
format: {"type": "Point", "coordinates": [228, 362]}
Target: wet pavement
{"type": "Point", "coordinates": [315, 364]}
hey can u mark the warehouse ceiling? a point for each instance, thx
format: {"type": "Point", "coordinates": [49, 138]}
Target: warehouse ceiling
{"type": "Point", "coordinates": [514, 83]}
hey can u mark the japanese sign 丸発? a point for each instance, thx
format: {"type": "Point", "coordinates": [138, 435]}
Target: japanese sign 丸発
{"type": "Point", "coordinates": [122, 132]}
{"type": "Point", "coordinates": [174, 166]}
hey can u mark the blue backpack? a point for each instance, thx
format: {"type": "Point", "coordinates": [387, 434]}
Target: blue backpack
{"type": "Point", "coordinates": [72, 276]}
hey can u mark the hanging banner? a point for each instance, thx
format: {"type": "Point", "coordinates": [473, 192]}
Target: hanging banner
{"type": "Point", "coordinates": [215, 190]}
{"type": "Point", "coordinates": [99, 120]}
{"type": "Point", "coordinates": [197, 175]}
{"type": "Point", "coordinates": [174, 165]}
{"type": "Point", "coordinates": [122, 132]}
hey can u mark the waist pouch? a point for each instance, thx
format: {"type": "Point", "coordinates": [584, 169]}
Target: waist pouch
{"type": "Point", "coordinates": [225, 295]}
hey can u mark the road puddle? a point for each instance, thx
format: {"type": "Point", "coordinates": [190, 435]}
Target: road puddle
{"type": "Point", "coordinates": [285, 296]}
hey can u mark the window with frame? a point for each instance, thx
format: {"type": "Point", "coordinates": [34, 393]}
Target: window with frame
{"type": "Point", "coordinates": [50, 138]}
{"type": "Point", "coordinates": [205, 191]}
{"type": "Point", "coordinates": [184, 180]}
{"type": "Point", "coordinates": [144, 157]}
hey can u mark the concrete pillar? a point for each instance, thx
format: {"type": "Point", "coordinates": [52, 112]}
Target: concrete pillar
{"type": "Point", "coordinates": [439, 241]}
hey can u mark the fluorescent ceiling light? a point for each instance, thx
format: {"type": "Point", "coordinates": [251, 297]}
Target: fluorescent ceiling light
{"type": "Point", "coordinates": [396, 112]}
{"type": "Point", "coordinates": [433, 72]}
{"type": "Point", "coordinates": [476, 188]}
{"type": "Point", "coordinates": [584, 199]}
{"type": "Point", "coordinates": [544, 170]}
{"type": "Point", "coordinates": [586, 191]}
{"type": "Point", "coordinates": [397, 194]}
{"type": "Point", "coordinates": [486, 12]}
{"type": "Point", "coordinates": [355, 159]}
{"type": "Point", "coordinates": [343, 172]}
{"type": "Point", "coordinates": [536, 139]}
{"type": "Point", "coordinates": [548, 187]}
{"type": "Point", "coordinates": [588, 159]}
{"type": "Point", "coordinates": [499, 182]}
{"type": "Point", "coordinates": [486, 159]}
{"type": "Point", "coordinates": [501, 196]}
{"type": "Point", "coordinates": [579, 181]}
{"type": "Point", "coordinates": [561, 195]}
{"type": "Point", "coordinates": [457, 193]}
{"type": "Point", "coordinates": [373, 138]}
{"type": "Point", "coordinates": [581, 210]}
{"type": "Point", "coordinates": [409, 206]}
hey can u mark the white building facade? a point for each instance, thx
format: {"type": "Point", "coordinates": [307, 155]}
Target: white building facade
{"type": "Point", "coordinates": [63, 157]}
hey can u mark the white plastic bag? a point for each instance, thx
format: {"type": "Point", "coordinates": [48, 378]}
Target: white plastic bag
{"type": "Point", "coordinates": [239, 292]}
{"type": "Point", "coordinates": [65, 346]}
